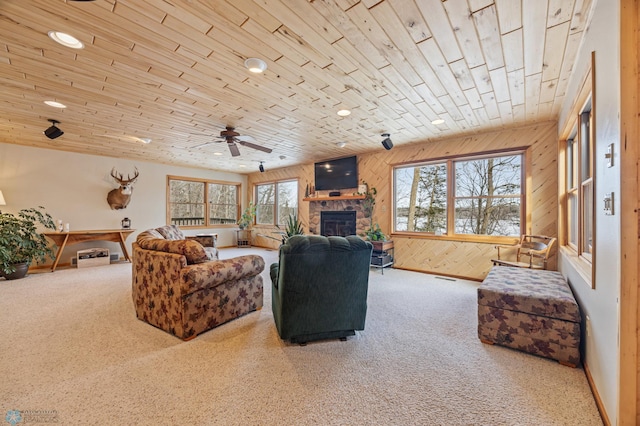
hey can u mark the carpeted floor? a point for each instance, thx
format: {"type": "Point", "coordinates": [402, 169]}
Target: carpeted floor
{"type": "Point", "coordinates": [72, 349]}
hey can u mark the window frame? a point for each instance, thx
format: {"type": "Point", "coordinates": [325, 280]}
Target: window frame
{"type": "Point", "coordinates": [576, 161]}
{"type": "Point", "coordinates": [450, 161]}
{"type": "Point", "coordinates": [585, 265]}
{"type": "Point", "coordinates": [276, 205]}
{"type": "Point", "coordinates": [207, 219]}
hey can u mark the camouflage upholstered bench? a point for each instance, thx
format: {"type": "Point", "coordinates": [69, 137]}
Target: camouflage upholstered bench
{"type": "Point", "coordinates": [530, 310]}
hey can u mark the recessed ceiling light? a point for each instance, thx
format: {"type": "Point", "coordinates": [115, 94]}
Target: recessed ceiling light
{"type": "Point", "coordinates": [242, 165]}
{"type": "Point", "coordinates": [217, 153]}
{"type": "Point", "coordinates": [255, 65]}
{"type": "Point", "coordinates": [344, 112]}
{"type": "Point", "coordinates": [145, 140]}
{"type": "Point", "coordinates": [65, 39]}
{"type": "Point", "coordinates": [55, 104]}
{"type": "Point", "coordinates": [341, 144]}
{"type": "Point", "coordinates": [438, 121]}
{"type": "Point", "coordinates": [282, 157]}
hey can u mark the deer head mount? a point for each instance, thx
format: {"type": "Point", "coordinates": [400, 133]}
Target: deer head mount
{"type": "Point", "coordinates": [119, 198]}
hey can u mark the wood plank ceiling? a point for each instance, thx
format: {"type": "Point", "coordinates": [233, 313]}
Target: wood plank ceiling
{"type": "Point", "coordinates": [173, 71]}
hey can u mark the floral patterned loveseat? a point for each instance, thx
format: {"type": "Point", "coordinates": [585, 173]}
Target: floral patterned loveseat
{"type": "Point", "coordinates": [183, 289]}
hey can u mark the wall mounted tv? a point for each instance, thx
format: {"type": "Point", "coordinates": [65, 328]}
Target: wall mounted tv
{"type": "Point", "coordinates": [341, 173]}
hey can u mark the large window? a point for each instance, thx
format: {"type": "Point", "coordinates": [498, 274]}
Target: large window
{"type": "Point", "coordinates": [276, 201]}
{"type": "Point", "coordinates": [579, 181]}
{"type": "Point", "coordinates": [196, 202]}
{"type": "Point", "coordinates": [480, 195]}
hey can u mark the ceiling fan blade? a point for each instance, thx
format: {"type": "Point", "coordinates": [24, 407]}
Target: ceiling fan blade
{"type": "Point", "coordinates": [254, 146]}
{"type": "Point", "coordinates": [235, 152]}
{"type": "Point", "coordinates": [202, 144]}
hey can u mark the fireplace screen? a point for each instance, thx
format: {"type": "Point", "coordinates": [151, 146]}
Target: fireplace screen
{"type": "Point", "coordinates": [338, 224]}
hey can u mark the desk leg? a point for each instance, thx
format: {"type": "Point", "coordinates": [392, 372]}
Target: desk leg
{"type": "Point", "coordinates": [124, 247]}
{"type": "Point", "coordinates": [59, 254]}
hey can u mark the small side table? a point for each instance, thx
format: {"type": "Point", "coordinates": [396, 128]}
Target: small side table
{"type": "Point", "coordinates": [243, 237]}
{"type": "Point", "coordinates": [382, 255]}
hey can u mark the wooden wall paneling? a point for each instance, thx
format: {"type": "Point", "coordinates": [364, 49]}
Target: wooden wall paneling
{"type": "Point", "coordinates": [628, 408]}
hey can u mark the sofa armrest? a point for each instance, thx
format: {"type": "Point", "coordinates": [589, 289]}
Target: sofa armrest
{"type": "Point", "coordinates": [210, 274]}
{"type": "Point", "coordinates": [273, 272]}
{"type": "Point", "coordinates": [210, 240]}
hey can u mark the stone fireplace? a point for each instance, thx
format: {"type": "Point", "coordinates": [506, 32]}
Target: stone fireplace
{"type": "Point", "coordinates": [353, 207]}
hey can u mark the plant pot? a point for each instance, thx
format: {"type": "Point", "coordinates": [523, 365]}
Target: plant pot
{"type": "Point", "coordinates": [20, 272]}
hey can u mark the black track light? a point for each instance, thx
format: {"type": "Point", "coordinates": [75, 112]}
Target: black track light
{"type": "Point", "coordinates": [53, 132]}
{"type": "Point", "coordinates": [386, 142]}
{"type": "Point", "coordinates": [261, 167]}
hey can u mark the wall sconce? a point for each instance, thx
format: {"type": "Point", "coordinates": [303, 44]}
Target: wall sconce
{"type": "Point", "coordinates": [261, 167]}
{"type": "Point", "coordinates": [126, 223]}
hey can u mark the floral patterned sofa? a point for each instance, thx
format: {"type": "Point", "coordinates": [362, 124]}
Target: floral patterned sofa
{"type": "Point", "coordinates": [530, 310]}
{"type": "Point", "coordinates": [183, 289]}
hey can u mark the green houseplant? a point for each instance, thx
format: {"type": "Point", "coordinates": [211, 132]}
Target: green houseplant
{"type": "Point", "coordinates": [246, 220]}
{"type": "Point", "coordinates": [20, 241]}
{"type": "Point", "coordinates": [292, 227]}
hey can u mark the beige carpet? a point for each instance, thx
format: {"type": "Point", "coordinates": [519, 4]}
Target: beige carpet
{"type": "Point", "coordinates": [71, 345]}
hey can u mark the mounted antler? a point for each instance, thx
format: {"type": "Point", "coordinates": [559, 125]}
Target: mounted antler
{"type": "Point", "coordinates": [123, 181]}
{"type": "Point", "coordinates": [119, 198]}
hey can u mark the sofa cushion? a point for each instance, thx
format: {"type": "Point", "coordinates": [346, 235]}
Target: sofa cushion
{"type": "Point", "coordinates": [171, 232]}
{"type": "Point", "coordinates": [149, 233]}
{"type": "Point", "coordinates": [531, 291]}
{"type": "Point", "coordinates": [192, 250]}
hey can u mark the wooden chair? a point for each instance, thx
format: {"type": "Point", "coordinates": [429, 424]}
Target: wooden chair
{"type": "Point", "coordinates": [537, 248]}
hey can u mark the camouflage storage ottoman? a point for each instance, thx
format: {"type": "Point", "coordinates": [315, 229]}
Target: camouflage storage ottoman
{"type": "Point", "coordinates": [530, 310]}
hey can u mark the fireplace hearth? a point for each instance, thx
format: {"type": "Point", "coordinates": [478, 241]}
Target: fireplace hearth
{"type": "Point", "coordinates": [337, 223]}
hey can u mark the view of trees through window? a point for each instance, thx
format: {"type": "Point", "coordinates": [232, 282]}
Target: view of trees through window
{"type": "Point", "coordinates": [187, 200]}
{"type": "Point", "coordinates": [276, 200]}
{"type": "Point", "coordinates": [486, 198]}
{"type": "Point", "coordinates": [421, 198]}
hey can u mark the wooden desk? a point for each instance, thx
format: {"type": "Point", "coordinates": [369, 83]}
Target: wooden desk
{"type": "Point", "coordinates": [62, 239]}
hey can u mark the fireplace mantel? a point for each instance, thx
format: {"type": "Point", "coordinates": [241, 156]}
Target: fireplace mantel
{"type": "Point", "coordinates": [339, 197]}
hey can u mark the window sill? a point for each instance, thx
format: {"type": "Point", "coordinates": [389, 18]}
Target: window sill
{"type": "Point", "coordinates": [579, 264]}
{"type": "Point", "coordinates": [482, 239]}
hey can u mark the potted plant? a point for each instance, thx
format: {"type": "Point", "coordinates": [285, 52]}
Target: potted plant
{"type": "Point", "coordinates": [293, 226]}
{"type": "Point", "coordinates": [21, 243]}
{"type": "Point", "coordinates": [246, 220]}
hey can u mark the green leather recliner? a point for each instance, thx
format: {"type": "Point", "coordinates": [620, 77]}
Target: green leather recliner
{"type": "Point", "coordinates": [319, 287]}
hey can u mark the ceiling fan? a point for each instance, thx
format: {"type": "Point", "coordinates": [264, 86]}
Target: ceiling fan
{"type": "Point", "coordinates": [231, 137]}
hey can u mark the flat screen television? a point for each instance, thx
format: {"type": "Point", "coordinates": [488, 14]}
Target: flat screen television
{"type": "Point", "coordinates": [341, 173]}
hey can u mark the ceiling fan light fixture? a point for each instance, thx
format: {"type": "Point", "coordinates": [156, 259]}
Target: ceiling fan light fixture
{"type": "Point", "coordinates": [53, 132]}
{"type": "Point", "coordinates": [255, 65]}
{"type": "Point", "coordinates": [344, 112]}
{"type": "Point", "coordinates": [55, 104]}
{"type": "Point", "coordinates": [65, 39]}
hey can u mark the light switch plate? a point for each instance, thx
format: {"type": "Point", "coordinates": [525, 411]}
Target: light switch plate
{"type": "Point", "coordinates": [609, 155]}
{"type": "Point", "coordinates": [608, 204]}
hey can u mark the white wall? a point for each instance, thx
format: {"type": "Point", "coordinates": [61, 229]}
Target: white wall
{"type": "Point", "coordinates": [73, 187]}
{"type": "Point", "coordinates": [600, 303]}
